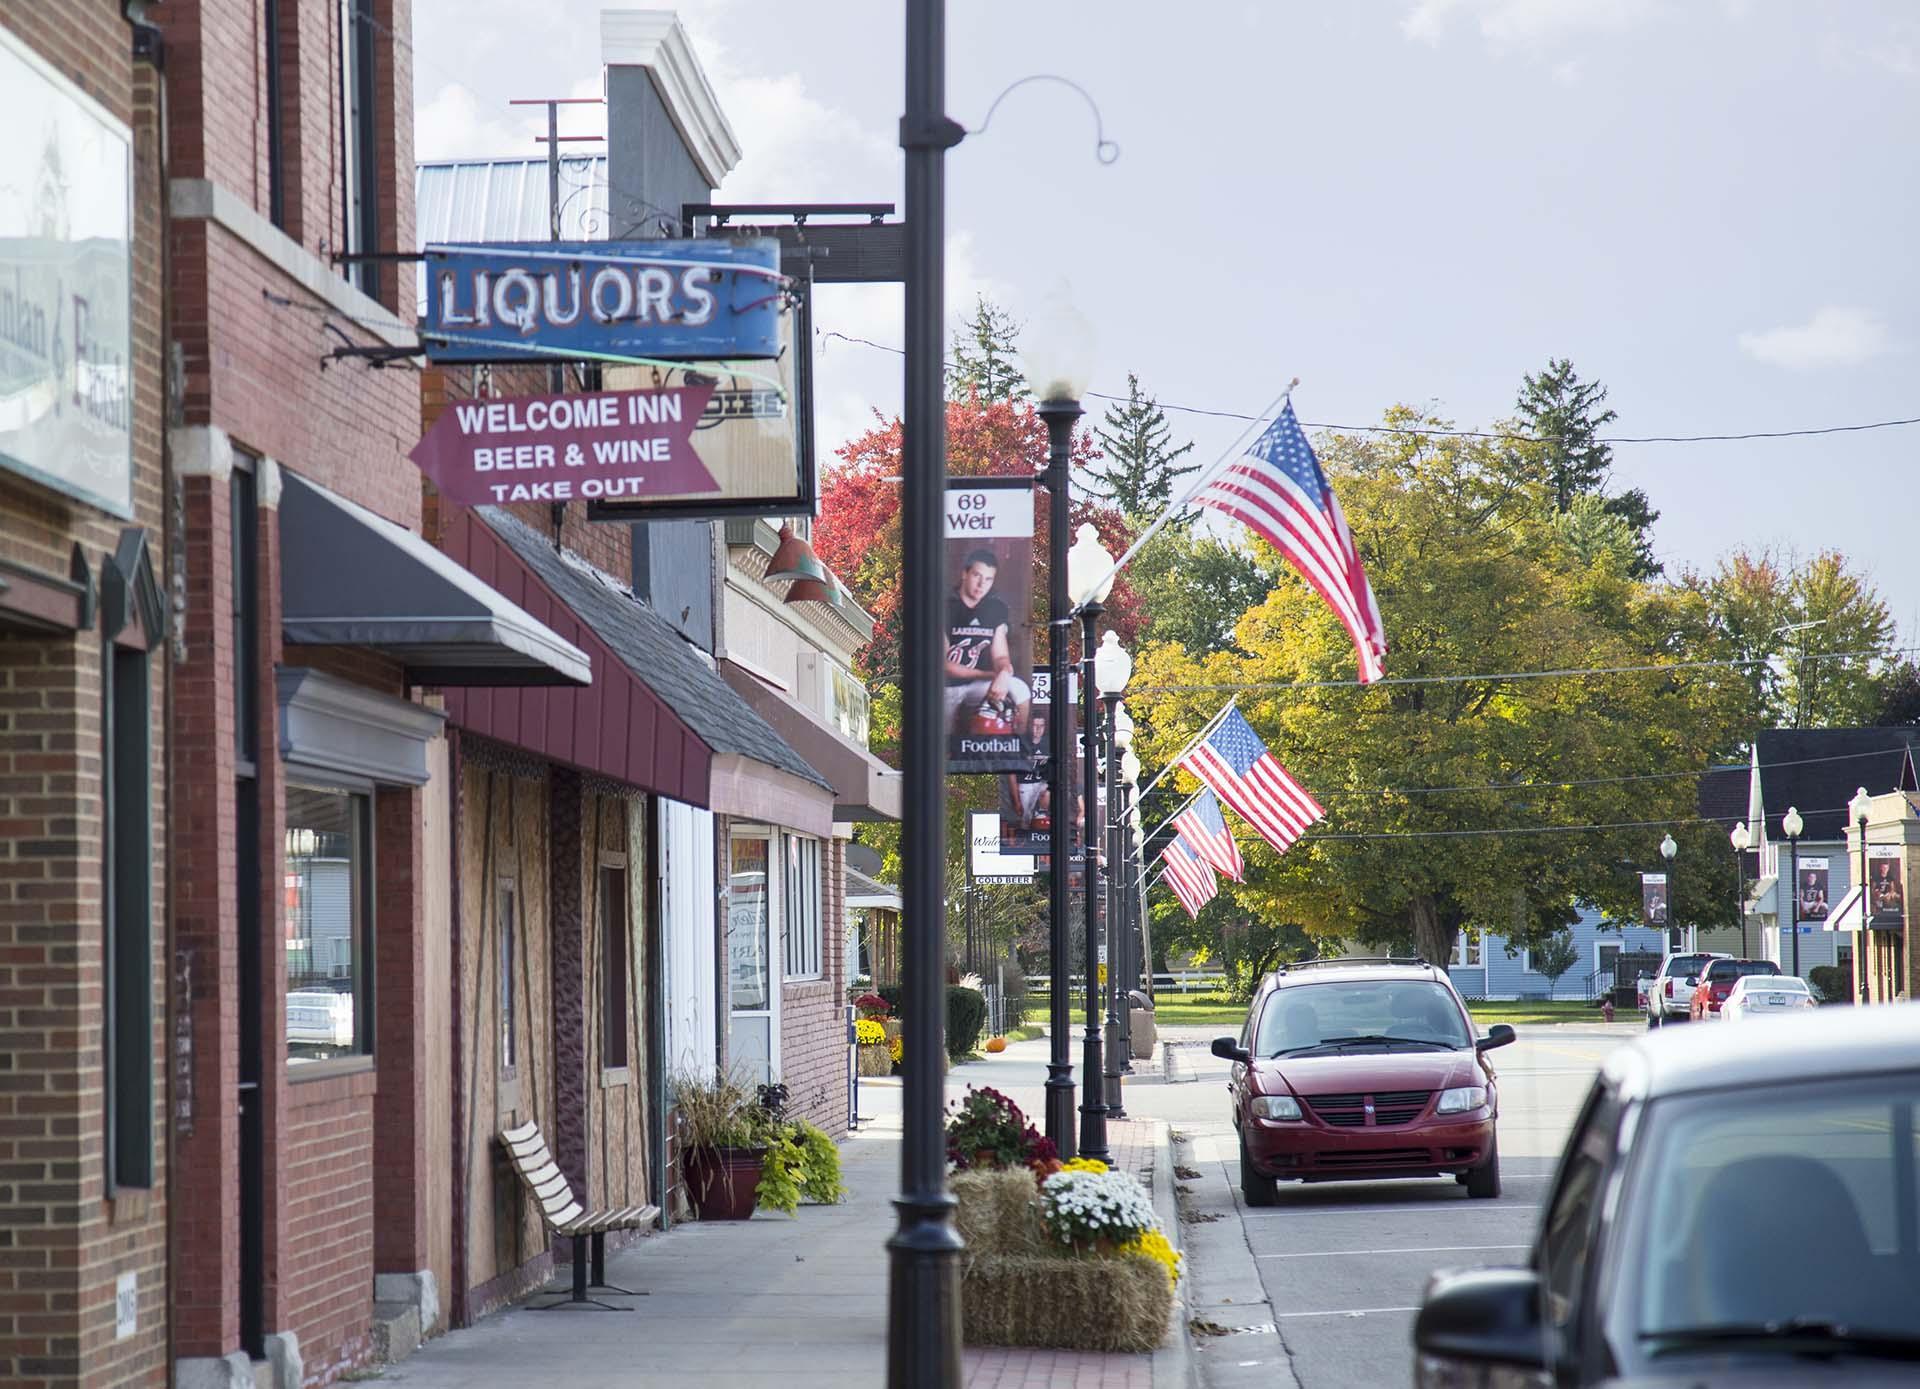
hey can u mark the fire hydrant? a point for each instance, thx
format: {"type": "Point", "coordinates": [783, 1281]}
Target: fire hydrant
{"type": "Point", "coordinates": [1606, 1009]}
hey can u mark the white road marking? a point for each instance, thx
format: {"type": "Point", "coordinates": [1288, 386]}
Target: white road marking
{"type": "Point", "coordinates": [1420, 1249]}
{"type": "Point", "coordinates": [1477, 1207]}
{"type": "Point", "coordinates": [1354, 1312]}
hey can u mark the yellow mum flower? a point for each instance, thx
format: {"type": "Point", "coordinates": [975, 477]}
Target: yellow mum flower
{"type": "Point", "coordinates": [869, 1033]}
{"type": "Point", "coordinates": [1081, 1164]}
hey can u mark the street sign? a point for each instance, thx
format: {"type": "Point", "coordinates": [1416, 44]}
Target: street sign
{"type": "Point", "coordinates": [529, 301]}
{"type": "Point", "coordinates": [596, 445]}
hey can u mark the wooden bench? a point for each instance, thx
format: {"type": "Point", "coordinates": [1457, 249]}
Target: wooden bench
{"type": "Point", "coordinates": [563, 1215]}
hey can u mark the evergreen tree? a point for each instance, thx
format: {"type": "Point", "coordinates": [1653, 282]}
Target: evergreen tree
{"type": "Point", "coordinates": [984, 359]}
{"type": "Point", "coordinates": [1140, 457]}
{"type": "Point", "coordinates": [1567, 415]}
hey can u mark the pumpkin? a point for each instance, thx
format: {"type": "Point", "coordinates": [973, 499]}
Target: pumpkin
{"type": "Point", "coordinates": [996, 1045]}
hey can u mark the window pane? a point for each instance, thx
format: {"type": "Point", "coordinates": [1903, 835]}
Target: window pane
{"type": "Point", "coordinates": [747, 921]}
{"type": "Point", "coordinates": [613, 945]}
{"type": "Point", "coordinates": [503, 926]}
{"type": "Point", "coordinates": [322, 880]}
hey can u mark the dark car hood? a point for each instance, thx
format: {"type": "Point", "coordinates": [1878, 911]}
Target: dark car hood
{"type": "Point", "coordinates": [1770, 1372]}
{"type": "Point", "coordinates": [1367, 1072]}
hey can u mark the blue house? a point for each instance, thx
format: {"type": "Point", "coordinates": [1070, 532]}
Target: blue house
{"type": "Point", "coordinates": [1483, 967]}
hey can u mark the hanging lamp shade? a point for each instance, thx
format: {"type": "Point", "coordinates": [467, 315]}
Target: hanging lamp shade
{"type": "Point", "coordinates": [794, 559]}
{"type": "Point", "coordinates": [809, 591]}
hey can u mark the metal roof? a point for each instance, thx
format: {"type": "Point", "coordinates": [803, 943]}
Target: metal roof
{"type": "Point", "coordinates": [506, 200]}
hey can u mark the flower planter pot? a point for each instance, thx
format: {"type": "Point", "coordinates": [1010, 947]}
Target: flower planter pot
{"type": "Point", "coordinates": [722, 1182]}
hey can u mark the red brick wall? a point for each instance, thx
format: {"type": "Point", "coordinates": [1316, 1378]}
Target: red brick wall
{"type": "Point", "coordinates": [63, 1242]}
{"type": "Point", "coordinates": [327, 1154]}
{"type": "Point", "coordinates": [813, 1029]}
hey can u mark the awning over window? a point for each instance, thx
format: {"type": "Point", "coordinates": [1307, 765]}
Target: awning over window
{"type": "Point", "coordinates": [351, 578]}
{"type": "Point", "coordinates": [656, 715]}
{"type": "Point", "coordinates": [864, 787]}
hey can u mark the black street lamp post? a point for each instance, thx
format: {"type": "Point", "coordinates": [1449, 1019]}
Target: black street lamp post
{"type": "Point", "coordinates": [1741, 838]}
{"type": "Point", "coordinates": [1059, 416]}
{"type": "Point", "coordinates": [1676, 941]}
{"type": "Point", "coordinates": [923, 1291]}
{"type": "Point", "coordinates": [1093, 1107]}
{"type": "Point", "coordinates": [1116, 943]}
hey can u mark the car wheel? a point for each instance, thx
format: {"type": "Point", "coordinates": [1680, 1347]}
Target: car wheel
{"type": "Point", "coordinates": [1257, 1190]}
{"type": "Point", "coordinates": [1483, 1182]}
{"type": "Point", "coordinates": [1653, 1019]}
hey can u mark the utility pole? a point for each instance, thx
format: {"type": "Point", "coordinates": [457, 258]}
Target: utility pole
{"type": "Point", "coordinates": [923, 1291]}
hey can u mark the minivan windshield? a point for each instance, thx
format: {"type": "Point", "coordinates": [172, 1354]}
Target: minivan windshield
{"type": "Point", "coordinates": [1385, 1013]}
{"type": "Point", "coordinates": [1784, 1220]}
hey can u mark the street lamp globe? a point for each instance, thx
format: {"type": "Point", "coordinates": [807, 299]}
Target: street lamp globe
{"type": "Point", "coordinates": [1859, 806]}
{"type": "Point", "coordinates": [1112, 666]}
{"type": "Point", "coordinates": [1741, 837]}
{"type": "Point", "coordinates": [1791, 824]}
{"type": "Point", "coordinates": [1089, 569]}
{"type": "Point", "coordinates": [1668, 848]}
{"type": "Point", "coordinates": [1057, 348]}
{"type": "Point", "coordinates": [1130, 767]}
{"type": "Point", "coordinates": [1122, 728]}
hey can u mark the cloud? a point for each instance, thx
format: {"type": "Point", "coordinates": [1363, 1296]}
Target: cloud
{"type": "Point", "coordinates": [1525, 23]}
{"type": "Point", "coordinates": [1833, 337]}
{"type": "Point", "coordinates": [451, 126]}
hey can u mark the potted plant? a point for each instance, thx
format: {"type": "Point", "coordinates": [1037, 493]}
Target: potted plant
{"type": "Point", "coordinates": [988, 1130]}
{"type": "Point", "coordinates": [724, 1136]}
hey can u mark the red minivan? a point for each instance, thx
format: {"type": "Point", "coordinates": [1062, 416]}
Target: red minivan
{"type": "Point", "coordinates": [1357, 1070]}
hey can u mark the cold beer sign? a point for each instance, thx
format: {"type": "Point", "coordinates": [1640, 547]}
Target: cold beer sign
{"type": "Point", "coordinates": [599, 445]}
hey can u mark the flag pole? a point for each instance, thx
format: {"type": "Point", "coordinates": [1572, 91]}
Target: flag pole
{"type": "Point", "coordinates": [1212, 724]}
{"type": "Point", "coordinates": [1205, 476]}
{"type": "Point", "coordinates": [1177, 810]}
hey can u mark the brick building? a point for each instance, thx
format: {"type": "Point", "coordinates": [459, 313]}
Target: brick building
{"type": "Point", "coordinates": [309, 833]}
{"type": "Point", "coordinates": [84, 657]}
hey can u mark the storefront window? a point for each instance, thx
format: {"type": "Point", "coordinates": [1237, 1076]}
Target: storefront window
{"type": "Point", "coordinates": [750, 1022]}
{"type": "Point", "coordinates": [328, 922]}
{"type": "Point", "coordinates": [802, 907]}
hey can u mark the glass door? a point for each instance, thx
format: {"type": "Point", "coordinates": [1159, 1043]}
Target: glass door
{"type": "Point", "coordinates": [750, 978]}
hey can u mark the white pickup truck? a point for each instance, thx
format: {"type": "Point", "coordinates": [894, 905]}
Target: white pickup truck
{"type": "Point", "coordinates": [1670, 995]}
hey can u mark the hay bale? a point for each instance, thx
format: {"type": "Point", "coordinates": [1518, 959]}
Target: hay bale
{"type": "Point", "coordinates": [998, 1212]}
{"type": "Point", "coordinates": [875, 1060]}
{"type": "Point", "coordinates": [1106, 1303]}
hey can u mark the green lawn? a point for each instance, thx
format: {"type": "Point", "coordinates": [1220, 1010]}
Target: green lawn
{"type": "Point", "coordinates": [1213, 1010]}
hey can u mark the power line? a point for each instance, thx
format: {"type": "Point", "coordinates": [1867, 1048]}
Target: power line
{"type": "Point", "coordinates": [1565, 672]}
{"type": "Point", "coordinates": [1605, 780]}
{"type": "Point", "coordinates": [1436, 431]}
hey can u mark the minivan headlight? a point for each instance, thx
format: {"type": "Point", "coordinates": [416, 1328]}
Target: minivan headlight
{"type": "Point", "coordinates": [1462, 1100]}
{"type": "Point", "coordinates": [1275, 1107]}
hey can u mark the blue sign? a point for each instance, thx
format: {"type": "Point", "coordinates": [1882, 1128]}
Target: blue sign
{"type": "Point", "coordinates": [528, 301]}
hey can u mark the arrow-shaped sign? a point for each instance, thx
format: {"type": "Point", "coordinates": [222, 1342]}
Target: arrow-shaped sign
{"type": "Point", "coordinates": [598, 445]}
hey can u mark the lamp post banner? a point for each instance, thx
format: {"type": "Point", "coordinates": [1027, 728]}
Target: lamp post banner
{"type": "Point", "coordinates": [1886, 888]}
{"type": "Point", "coordinates": [1810, 886]}
{"type": "Point", "coordinates": [989, 631]}
{"type": "Point", "coordinates": [1653, 899]}
{"type": "Point", "coordinates": [597, 445]}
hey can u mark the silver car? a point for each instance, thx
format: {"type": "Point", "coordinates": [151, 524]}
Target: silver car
{"type": "Point", "coordinates": [1734, 1206]}
{"type": "Point", "coordinates": [1765, 995]}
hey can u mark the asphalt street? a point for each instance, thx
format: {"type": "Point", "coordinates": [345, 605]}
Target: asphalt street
{"type": "Point", "coordinates": [1323, 1286]}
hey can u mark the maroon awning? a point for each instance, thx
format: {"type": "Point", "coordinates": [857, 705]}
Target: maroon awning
{"type": "Point", "coordinates": [617, 726]}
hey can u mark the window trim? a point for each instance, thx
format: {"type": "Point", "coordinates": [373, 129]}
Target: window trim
{"type": "Point", "coordinates": [802, 958]}
{"type": "Point", "coordinates": [359, 169]}
{"type": "Point", "coordinates": [364, 899]}
{"type": "Point", "coordinates": [616, 956]}
{"type": "Point", "coordinates": [506, 929]}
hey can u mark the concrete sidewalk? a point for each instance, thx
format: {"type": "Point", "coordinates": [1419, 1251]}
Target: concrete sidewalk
{"type": "Point", "coordinates": [795, 1302]}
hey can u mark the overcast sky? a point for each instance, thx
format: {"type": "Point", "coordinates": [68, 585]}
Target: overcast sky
{"type": "Point", "coordinates": [1711, 207]}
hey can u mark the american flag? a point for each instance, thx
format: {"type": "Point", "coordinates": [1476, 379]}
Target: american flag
{"type": "Point", "coordinates": [1205, 830]}
{"type": "Point", "coordinates": [1193, 881]}
{"type": "Point", "coordinates": [1237, 766]}
{"type": "Point", "coordinates": [1277, 488]}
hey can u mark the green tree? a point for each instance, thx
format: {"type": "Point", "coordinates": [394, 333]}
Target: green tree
{"type": "Point", "coordinates": [1554, 956]}
{"type": "Point", "coordinates": [1815, 640]}
{"type": "Point", "coordinates": [1900, 695]}
{"type": "Point", "coordinates": [984, 360]}
{"type": "Point", "coordinates": [1193, 588]}
{"type": "Point", "coordinates": [1142, 461]}
{"type": "Point", "coordinates": [1438, 793]}
{"type": "Point", "coordinates": [1565, 415]}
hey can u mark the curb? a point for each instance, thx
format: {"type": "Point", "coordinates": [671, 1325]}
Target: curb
{"type": "Point", "coordinates": [1173, 1366]}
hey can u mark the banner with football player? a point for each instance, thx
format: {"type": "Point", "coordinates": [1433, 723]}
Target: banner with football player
{"type": "Point", "coordinates": [989, 608]}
